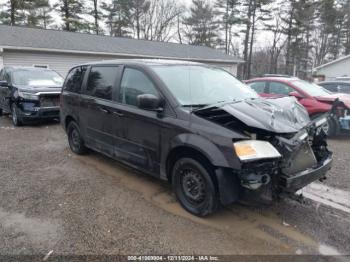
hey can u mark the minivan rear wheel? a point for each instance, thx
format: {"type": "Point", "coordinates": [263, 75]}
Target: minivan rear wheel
{"type": "Point", "coordinates": [76, 142]}
{"type": "Point", "coordinates": [194, 187]}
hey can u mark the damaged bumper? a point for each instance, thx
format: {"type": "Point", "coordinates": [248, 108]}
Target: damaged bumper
{"type": "Point", "coordinates": [31, 112]}
{"type": "Point", "coordinates": [299, 180]}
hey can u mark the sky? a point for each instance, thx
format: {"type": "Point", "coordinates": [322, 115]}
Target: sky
{"type": "Point", "coordinates": [263, 38]}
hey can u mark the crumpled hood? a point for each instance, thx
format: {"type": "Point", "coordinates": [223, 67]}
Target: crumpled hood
{"type": "Point", "coordinates": [345, 98]}
{"type": "Point", "coordinates": [281, 115]}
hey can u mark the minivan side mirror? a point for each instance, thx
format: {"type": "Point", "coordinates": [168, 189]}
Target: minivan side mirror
{"type": "Point", "coordinates": [296, 94]}
{"type": "Point", "coordinates": [3, 83]}
{"type": "Point", "coordinates": [150, 102]}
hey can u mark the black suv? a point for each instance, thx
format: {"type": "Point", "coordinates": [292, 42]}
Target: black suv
{"type": "Point", "coordinates": [196, 126]}
{"type": "Point", "coordinates": [29, 93]}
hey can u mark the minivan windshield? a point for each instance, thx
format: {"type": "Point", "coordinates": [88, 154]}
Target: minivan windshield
{"type": "Point", "coordinates": [36, 78]}
{"type": "Point", "coordinates": [201, 85]}
{"type": "Point", "coordinates": [311, 89]}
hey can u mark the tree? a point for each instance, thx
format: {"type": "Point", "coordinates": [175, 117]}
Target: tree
{"type": "Point", "coordinates": [228, 11]}
{"type": "Point", "coordinates": [278, 41]}
{"type": "Point", "coordinates": [160, 20]}
{"type": "Point", "coordinates": [138, 9]}
{"type": "Point", "coordinates": [118, 17]}
{"type": "Point", "coordinates": [256, 15]}
{"type": "Point", "coordinates": [202, 29]}
{"type": "Point", "coordinates": [96, 15]}
{"type": "Point", "coordinates": [12, 13]}
{"type": "Point", "coordinates": [38, 13]}
{"type": "Point", "coordinates": [70, 11]}
{"type": "Point", "coordinates": [326, 29]}
{"type": "Point", "coordinates": [345, 36]}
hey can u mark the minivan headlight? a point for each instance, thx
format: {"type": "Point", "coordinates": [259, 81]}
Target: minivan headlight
{"type": "Point", "coordinates": [254, 150]}
{"type": "Point", "coordinates": [29, 96]}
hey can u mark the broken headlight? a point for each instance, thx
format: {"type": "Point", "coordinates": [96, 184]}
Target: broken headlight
{"type": "Point", "coordinates": [248, 150]}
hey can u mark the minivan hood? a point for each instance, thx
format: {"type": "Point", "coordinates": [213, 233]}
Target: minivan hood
{"type": "Point", "coordinates": [345, 98]}
{"type": "Point", "coordinates": [280, 115]}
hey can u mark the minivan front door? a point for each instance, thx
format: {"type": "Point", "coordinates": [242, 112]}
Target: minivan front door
{"type": "Point", "coordinates": [139, 135]}
{"type": "Point", "coordinates": [98, 114]}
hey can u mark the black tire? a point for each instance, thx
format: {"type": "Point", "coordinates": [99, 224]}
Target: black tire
{"type": "Point", "coordinates": [76, 142]}
{"type": "Point", "coordinates": [16, 119]}
{"type": "Point", "coordinates": [0, 112]}
{"type": "Point", "coordinates": [194, 187]}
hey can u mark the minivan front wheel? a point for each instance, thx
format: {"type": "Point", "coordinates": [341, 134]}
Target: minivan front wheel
{"type": "Point", "coordinates": [76, 143]}
{"type": "Point", "coordinates": [194, 188]}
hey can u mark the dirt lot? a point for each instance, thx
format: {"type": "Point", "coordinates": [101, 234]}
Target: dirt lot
{"type": "Point", "coordinates": [54, 200]}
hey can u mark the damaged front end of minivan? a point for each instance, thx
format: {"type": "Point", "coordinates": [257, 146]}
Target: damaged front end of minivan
{"type": "Point", "coordinates": [286, 151]}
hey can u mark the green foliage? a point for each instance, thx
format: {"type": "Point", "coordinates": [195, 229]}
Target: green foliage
{"type": "Point", "coordinates": [201, 24]}
{"type": "Point", "coordinates": [70, 12]}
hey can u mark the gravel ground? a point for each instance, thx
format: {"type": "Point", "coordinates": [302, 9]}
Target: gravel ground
{"type": "Point", "coordinates": [54, 200]}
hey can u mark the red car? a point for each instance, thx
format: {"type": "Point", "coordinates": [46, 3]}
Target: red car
{"type": "Point", "coordinates": [314, 98]}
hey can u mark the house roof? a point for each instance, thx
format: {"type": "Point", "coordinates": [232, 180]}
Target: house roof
{"type": "Point", "coordinates": [332, 62]}
{"type": "Point", "coordinates": [25, 38]}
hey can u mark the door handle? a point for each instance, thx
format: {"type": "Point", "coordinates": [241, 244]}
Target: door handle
{"type": "Point", "coordinates": [118, 114]}
{"type": "Point", "coordinates": [103, 110]}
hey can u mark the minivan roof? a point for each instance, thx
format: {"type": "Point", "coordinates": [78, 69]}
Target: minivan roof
{"type": "Point", "coordinates": [144, 62]}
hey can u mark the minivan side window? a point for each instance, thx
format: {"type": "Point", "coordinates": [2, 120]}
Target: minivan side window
{"type": "Point", "coordinates": [74, 79]}
{"type": "Point", "coordinates": [133, 84]}
{"type": "Point", "coordinates": [102, 81]}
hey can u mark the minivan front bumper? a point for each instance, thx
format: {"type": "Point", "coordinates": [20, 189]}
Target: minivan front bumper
{"type": "Point", "coordinates": [293, 183]}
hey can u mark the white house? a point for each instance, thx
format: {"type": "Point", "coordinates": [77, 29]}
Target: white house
{"type": "Point", "coordinates": [60, 50]}
{"type": "Point", "coordinates": [332, 70]}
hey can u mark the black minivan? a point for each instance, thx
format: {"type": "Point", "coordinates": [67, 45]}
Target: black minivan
{"type": "Point", "coordinates": [211, 136]}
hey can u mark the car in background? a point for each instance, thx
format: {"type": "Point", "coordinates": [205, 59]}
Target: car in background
{"type": "Point", "coordinates": [336, 86]}
{"type": "Point", "coordinates": [316, 99]}
{"type": "Point", "coordinates": [211, 136]}
{"type": "Point", "coordinates": [29, 93]}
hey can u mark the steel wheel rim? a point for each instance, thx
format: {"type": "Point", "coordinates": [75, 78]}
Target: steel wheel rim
{"type": "Point", "coordinates": [192, 185]}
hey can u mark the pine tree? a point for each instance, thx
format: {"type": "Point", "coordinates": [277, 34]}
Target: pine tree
{"type": "Point", "coordinates": [255, 14]}
{"type": "Point", "coordinates": [12, 12]}
{"type": "Point", "coordinates": [71, 11]}
{"type": "Point", "coordinates": [38, 13]}
{"type": "Point", "coordinates": [96, 14]}
{"type": "Point", "coordinates": [117, 16]}
{"type": "Point", "coordinates": [202, 27]}
{"type": "Point", "coordinates": [138, 9]}
{"type": "Point", "coordinates": [326, 29]}
{"type": "Point", "coordinates": [345, 36]}
{"type": "Point", "coordinates": [228, 11]}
